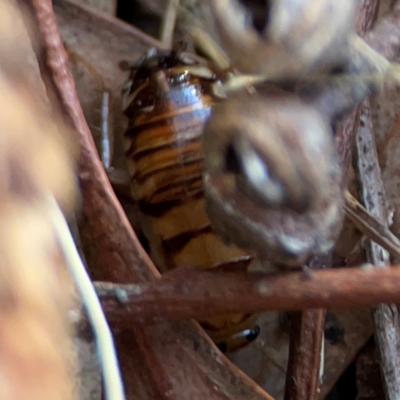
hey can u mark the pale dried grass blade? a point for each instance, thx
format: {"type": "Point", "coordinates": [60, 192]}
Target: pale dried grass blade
{"type": "Point", "coordinates": [105, 343]}
{"type": "Point", "coordinates": [371, 226]}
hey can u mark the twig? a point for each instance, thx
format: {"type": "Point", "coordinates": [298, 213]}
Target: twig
{"type": "Point", "coordinates": [371, 226]}
{"type": "Point", "coordinates": [305, 350]}
{"type": "Point", "coordinates": [182, 295]}
{"type": "Point", "coordinates": [106, 142]}
{"type": "Point", "coordinates": [373, 195]}
{"type": "Point", "coordinates": [305, 355]}
{"type": "Point", "coordinates": [168, 23]}
{"type": "Point", "coordinates": [366, 19]}
{"type": "Point", "coordinates": [210, 47]}
{"type": "Point", "coordinates": [105, 343]}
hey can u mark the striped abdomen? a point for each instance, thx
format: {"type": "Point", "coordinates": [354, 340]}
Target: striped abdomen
{"type": "Point", "coordinates": [166, 114]}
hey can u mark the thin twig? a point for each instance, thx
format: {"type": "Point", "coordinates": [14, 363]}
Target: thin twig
{"type": "Point", "coordinates": [305, 355]}
{"type": "Point", "coordinates": [106, 142]}
{"type": "Point", "coordinates": [373, 195]}
{"type": "Point", "coordinates": [105, 343]}
{"type": "Point", "coordinates": [210, 47]}
{"type": "Point", "coordinates": [180, 295]}
{"type": "Point", "coordinates": [371, 226]}
{"type": "Point", "coordinates": [306, 343]}
{"type": "Point", "coordinates": [168, 23]}
{"type": "Point", "coordinates": [366, 18]}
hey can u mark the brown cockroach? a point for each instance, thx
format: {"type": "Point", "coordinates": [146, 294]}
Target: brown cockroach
{"type": "Point", "coordinates": [167, 101]}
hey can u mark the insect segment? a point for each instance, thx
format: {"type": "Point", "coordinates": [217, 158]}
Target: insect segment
{"type": "Point", "coordinates": [167, 100]}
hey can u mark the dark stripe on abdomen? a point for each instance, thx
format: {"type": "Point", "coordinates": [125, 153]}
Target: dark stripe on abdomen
{"type": "Point", "coordinates": [158, 210]}
{"type": "Point", "coordinates": [167, 160]}
{"type": "Point", "coordinates": [175, 244]}
{"type": "Point", "coordinates": [180, 189]}
{"type": "Point", "coordinates": [178, 121]}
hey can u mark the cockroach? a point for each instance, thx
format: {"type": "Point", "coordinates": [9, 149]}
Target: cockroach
{"type": "Point", "coordinates": [167, 100]}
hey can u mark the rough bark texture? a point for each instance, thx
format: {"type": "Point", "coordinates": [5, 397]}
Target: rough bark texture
{"type": "Point", "coordinates": [373, 194]}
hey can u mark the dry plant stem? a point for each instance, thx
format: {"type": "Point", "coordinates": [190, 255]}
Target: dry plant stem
{"type": "Point", "coordinates": [150, 357]}
{"type": "Point", "coordinates": [105, 343]}
{"type": "Point", "coordinates": [371, 226]}
{"type": "Point", "coordinates": [366, 18]}
{"type": "Point", "coordinates": [168, 23]}
{"type": "Point", "coordinates": [385, 315]}
{"type": "Point", "coordinates": [106, 150]}
{"type": "Point", "coordinates": [306, 338]}
{"type": "Point", "coordinates": [201, 294]}
{"type": "Point", "coordinates": [210, 47]}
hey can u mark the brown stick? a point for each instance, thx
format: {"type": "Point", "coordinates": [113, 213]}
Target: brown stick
{"type": "Point", "coordinates": [373, 194]}
{"type": "Point", "coordinates": [306, 337]}
{"type": "Point", "coordinates": [182, 295]}
{"type": "Point", "coordinates": [366, 18]}
{"type": "Point", "coordinates": [371, 226]}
